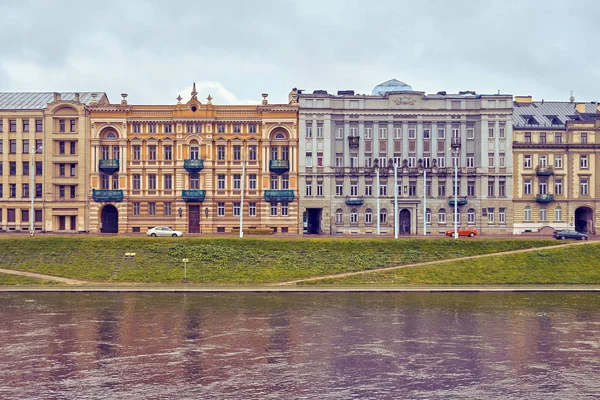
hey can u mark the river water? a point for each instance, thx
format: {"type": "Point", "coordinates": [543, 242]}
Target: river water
{"type": "Point", "coordinates": [300, 346]}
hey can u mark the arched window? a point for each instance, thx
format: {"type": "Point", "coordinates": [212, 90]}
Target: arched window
{"type": "Point", "coordinates": [279, 136]}
{"type": "Point", "coordinates": [194, 150]}
{"type": "Point", "coordinates": [442, 216]}
{"type": "Point", "coordinates": [383, 216]}
{"type": "Point", "coordinates": [110, 135]}
{"type": "Point", "coordinates": [339, 216]}
{"type": "Point", "coordinates": [428, 216]}
{"type": "Point", "coordinates": [471, 216]}
{"type": "Point", "coordinates": [558, 214]}
{"type": "Point", "coordinates": [543, 214]}
{"type": "Point", "coordinates": [369, 216]}
{"type": "Point", "coordinates": [353, 216]}
{"type": "Point", "coordinates": [527, 213]}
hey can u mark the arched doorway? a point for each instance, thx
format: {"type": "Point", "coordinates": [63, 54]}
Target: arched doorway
{"type": "Point", "coordinates": [109, 222]}
{"type": "Point", "coordinates": [584, 220]}
{"type": "Point", "coordinates": [404, 222]}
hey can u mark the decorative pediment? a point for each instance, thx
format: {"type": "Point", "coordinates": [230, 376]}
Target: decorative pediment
{"type": "Point", "coordinates": [405, 101]}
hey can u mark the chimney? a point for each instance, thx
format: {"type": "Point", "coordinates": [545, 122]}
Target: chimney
{"type": "Point", "coordinates": [265, 101]}
{"type": "Point", "coordinates": [580, 108]}
{"type": "Point", "coordinates": [77, 97]}
{"type": "Point", "coordinates": [56, 97]}
{"type": "Point", "coordinates": [124, 100]}
{"type": "Point", "coordinates": [94, 101]}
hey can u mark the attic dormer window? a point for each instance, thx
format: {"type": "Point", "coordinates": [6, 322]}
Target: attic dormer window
{"type": "Point", "coordinates": [530, 120]}
{"type": "Point", "coordinates": [554, 120]}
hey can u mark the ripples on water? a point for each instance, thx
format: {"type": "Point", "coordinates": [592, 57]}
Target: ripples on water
{"type": "Point", "coordinates": [300, 346]}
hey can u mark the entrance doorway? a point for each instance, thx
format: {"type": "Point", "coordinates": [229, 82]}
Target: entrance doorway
{"type": "Point", "coordinates": [404, 222]}
{"type": "Point", "coordinates": [312, 220]}
{"type": "Point", "coordinates": [109, 220]}
{"type": "Point", "coordinates": [194, 219]}
{"type": "Point", "coordinates": [584, 220]}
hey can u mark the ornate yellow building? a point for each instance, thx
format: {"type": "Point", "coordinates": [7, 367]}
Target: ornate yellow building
{"type": "Point", "coordinates": [556, 167]}
{"type": "Point", "coordinates": [44, 136]}
{"type": "Point", "coordinates": [188, 165]}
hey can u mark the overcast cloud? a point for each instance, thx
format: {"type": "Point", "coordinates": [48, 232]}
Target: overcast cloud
{"type": "Point", "coordinates": [236, 50]}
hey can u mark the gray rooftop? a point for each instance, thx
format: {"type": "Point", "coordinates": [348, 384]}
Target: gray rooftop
{"type": "Point", "coordinates": [39, 100]}
{"type": "Point", "coordinates": [547, 113]}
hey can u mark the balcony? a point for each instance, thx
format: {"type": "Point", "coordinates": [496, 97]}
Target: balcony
{"type": "Point", "coordinates": [455, 142]}
{"type": "Point", "coordinates": [279, 196]}
{"type": "Point", "coordinates": [108, 166]}
{"type": "Point", "coordinates": [461, 201]}
{"type": "Point", "coordinates": [544, 198]}
{"type": "Point", "coordinates": [353, 141]}
{"type": "Point", "coordinates": [193, 195]}
{"type": "Point", "coordinates": [107, 195]}
{"type": "Point", "coordinates": [544, 171]}
{"type": "Point", "coordinates": [279, 166]}
{"type": "Point", "coordinates": [354, 201]}
{"type": "Point", "coordinates": [193, 166]}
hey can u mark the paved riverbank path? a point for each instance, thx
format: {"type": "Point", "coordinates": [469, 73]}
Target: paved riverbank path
{"type": "Point", "coordinates": [52, 278]}
{"type": "Point", "coordinates": [422, 264]}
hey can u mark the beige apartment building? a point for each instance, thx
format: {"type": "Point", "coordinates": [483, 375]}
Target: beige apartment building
{"type": "Point", "coordinates": [44, 136]}
{"type": "Point", "coordinates": [555, 147]}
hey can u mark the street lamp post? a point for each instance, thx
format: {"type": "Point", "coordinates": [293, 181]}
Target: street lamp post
{"type": "Point", "coordinates": [454, 217]}
{"type": "Point", "coordinates": [396, 216]}
{"type": "Point", "coordinates": [32, 189]}
{"type": "Point", "coordinates": [378, 211]}
{"type": "Point", "coordinates": [242, 200]}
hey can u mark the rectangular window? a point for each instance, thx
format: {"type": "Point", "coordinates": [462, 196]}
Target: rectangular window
{"type": "Point", "coordinates": [368, 133]}
{"type": "Point", "coordinates": [137, 182]}
{"type": "Point", "coordinates": [502, 132]}
{"type": "Point", "coordinates": [151, 209]}
{"type": "Point", "coordinates": [221, 153]}
{"type": "Point", "coordinates": [61, 191]}
{"type": "Point", "coordinates": [558, 138]}
{"type": "Point", "coordinates": [441, 133]}
{"type": "Point", "coordinates": [136, 209]}
{"type": "Point", "coordinates": [285, 182]}
{"type": "Point", "coordinates": [252, 128]}
{"type": "Point", "coordinates": [471, 188]}
{"type": "Point", "coordinates": [319, 131]}
{"type": "Point", "coordinates": [382, 133]}
{"type": "Point", "coordinates": [527, 186]}
{"type": "Point", "coordinates": [339, 189]}
{"type": "Point", "coordinates": [470, 133]}
{"type": "Point", "coordinates": [470, 161]}
{"type": "Point", "coordinates": [252, 153]}
{"type": "Point", "coordinates": [491, 160]}
{"type": "Point", "coordinates": [61, 125]}
{"type": "Point", "coordinates": [221, 181]}
{"type": "Point", "coordinates": [237, 153]}
{"type": "Point", "coordinates": [284, 209]}
{"type": "Point", "coordinates": [151, 181]}
{"type": "Point", "coordinates": [584, 138]}
{"type": "Point", "coordinates": [490, 214]}
{"type": "Point", "coordinates": [412, 133]}
{"type": "Point", "coordinates": [137, 153]}
{"type": "Point", "coordinates": [12, 168]}
{"type": "Point", "coordinates": [501, 215]}
{"type": "Point", "coordinates": [221, 209]}
{"type": "Point", "coordinates": [319, 188]}
{"type": "Point", "coordinates": [583, 161]}
{"type": "Point", "coordinates": [353, 189]}
{"type": "Point", "coordinates": [527, 137]}
{"type": "Point", "coordinates": [136, 128]}
{"type": "Point", "coordinates": [168, 153]}
{"type": "Point", "coordinates": [25, 190]}
{"type": "Point", "coordinates": [12, 146]}
{"type": "Point", "coordinates": [12, 189]}
{"type": "Point", "coordinates": [168, 128]}
{"type": "Point", "coordinates": [274, 182]}
{"type": "Point", "coordinates": [252, 209]}
{"type": "Point", "coordinates": [39, 125]}
{"type": "Point", "coordinates": [194, 181]}
{"type": "Point", "coordinates": [502, 188]}
{"type": "Point", "coordinates": [62, 169]}
{"type": "Point", "coordinates": [152, 153]}
{"type": "Point", "coordinates": [339, 133]}
{"type": "Point", "coordinates": [38, 168]}
{"type": "Point", "coordinates": [412, 188]}
{"type": "Point", "coordinates": [490, 133]}
{"type": "Point", "coordinates": [168, 209]}
{"type": "Point", "coordinates": [25, 125]}
{"type": "Point", "coordinates": [252, 182]}
{"type": "Point", "coordinates": [236, 209]}
{"type": "Point", "coordinates": [152, 128]}
{"type": "Point", "coordinates": [309, 188]}
{"type": "Point", "coordinates": [72, 125]}
{"type": "Point", "coordinates": [309, 131]}
{"type": "Point", "coordinates": [491, 187]}
{"type": "Point", "coordinates": [426, 133]}
{"type": "Point", "coordinates": [319, 159]}
{"type": "Point", "coordinates": [441, 189]}
{"type": "Point", "coordinates": [73, 191]}
{"type": "Point", "coordinates": [168, 184]}
{"type": "Point", "coordinates": [558, 162]}
{"type": "Point", "coordinates": [527, 161]}
{"type": "Point", "coordinates": [237, 181]}
{"type": "Point", "coordinates": [558, 187]}
{"type": "Point", "coordinates": [543, 137]}
{"type": "Point", "coordinates": [38, 190]}
{"type": "Point", "coordinates": [339, 160]}
{"type": "Point", "coordinates": [583, 186]}
{"type": "Point", "coordinates": [273, 209]}
{"type": "Point", "coordinates": [501, 160]}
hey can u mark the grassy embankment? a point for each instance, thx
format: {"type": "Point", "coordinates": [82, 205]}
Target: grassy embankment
{"type": "Point", "coordinates": [224, 261]}
{"type": "Point", "coordinates": [11, 280]}
{"type": "Point", "coordinates": [571, 265]}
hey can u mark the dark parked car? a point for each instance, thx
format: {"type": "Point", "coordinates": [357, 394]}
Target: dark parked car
{"type": "Point", "coordinates": [569, 234]}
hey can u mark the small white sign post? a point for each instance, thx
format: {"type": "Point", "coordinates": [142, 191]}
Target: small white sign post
{"type": "Point", "coordinates": [185, 261]}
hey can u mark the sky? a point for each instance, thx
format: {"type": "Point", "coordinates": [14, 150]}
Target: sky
{"type": "Point", "coordinates": [237, 50]}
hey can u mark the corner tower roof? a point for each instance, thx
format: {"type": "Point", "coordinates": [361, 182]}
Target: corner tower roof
{"type": "Point", "coordinates": [393, 85]}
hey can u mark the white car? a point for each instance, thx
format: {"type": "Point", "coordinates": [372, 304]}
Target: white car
{"type": "Point", "coordinates": [163, 231]}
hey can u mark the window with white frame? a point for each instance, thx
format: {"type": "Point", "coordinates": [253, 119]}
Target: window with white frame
{"type": "Point", "coordinates": [273, 209]}
{"type": "Point", "coordinates": [353, 161]}
{"type": "Point", "coordinates": [339, 133]}
{"type": "Point", "coordinates": [194, 181]}
{"type": "Point", "coordinates": [412, 133]}
{"type": "Point", "coordinates": [339, 160]}
{"type": "Point", "coordinates": [543, 214]}
{"type": "Point", "coordinates": [284, 209]}
{"type": "Point", "coordinates": [319, 131]}
{"type": "Point", "coordinates": [353, 216]}
{"type": "Point", "coordinates": [397, 133]}
{"type": "Point", "coordinates": [558, 214]}
{"type": "Point", "coordinates": [252, 153]}
{"type": "Point", "coordinates": [441, 160]}
{"type": "Point", "coordinates": [398, 161]}
{"type": "Point", "coordinates": [527, 186]}
{"type": "Point", "coordinates": [428, 216]}
{"type": "Point", "coordinates": [412, 162]}
{"type": "Point", "coordinates": [558, 187]}
{"type": "Point", "coordinates": [274, 182]}
{"type": "Point", "coordinates": [308, 130]}
{"type": "Point", "coordinates": [221, 209]}
{"type": "Point", "coordinates": [558, 162]}
{"type": "Point", "coordinates": [285, 181]}
{"type": "Point", "coordinates": [491, 133]}
{"type": "Point", "coordinates": [382, 133]}
{"type": "Point", "coordinates": [442, 216]}
{"type": "Point", "coordinates": [490, 214]}
{"type": "Point", "coordinates": [382, 162]}
{"type": "Point", "coordinates": [502, 215]}
{"type": "Point", "coordinates": [583, 161]}
{"type": "Point", "coordinates": [221, 153]}
{"type": "Point", "coordinates": [383, 216]}
{"type": "Point", "coordinates": [339, 216]}
{"type": "Point", "coordinates": [527, 214]}
{"type": "Point", "coordinates": [353, 131]}
{"type": "Point", "coordinates": [368, 189]}
{"type": "Point", "coordinates": [368, 133]}
{"type": "Point", "coordinates": [252, 209]}
{"type": "Point", "coordinates": [136, 209]}
{"type": "Point", "coordinates": [543, 187]}
{"type": "Point", "coordinates": [309, 188]}
{"type": "Point", "coordinates": [354, 189]}
{"type": "Point", "coordinates": [383, 188]}
{"type": "Point", "coordinates": [308, 159]}
{"type": "Point", "coordinates": [236, 209]}
{"type": "Point", "coordinates": [252, 181]}
{"type": "Point", "coordinates": [368, 162]}
{"type": "Point", "coordinates": [527, 161]}
{"type": "Point", "coordinates": [501, 160]}
{"type": "Point", "coordinates": [426, 162]}
{"type": "Point", "coordinates": [237, 181]}
{"type": "Point", "coordinates": [583, 186]}
{"type": "Point", "coordinates": [221, 181]}
{"type": "Point", "coordinates": [470, 160]}
{"type": "Point", "coordinates": [491, 160]}
{"type": "Point", "coordinates": [339, 189]}
{"type": "Point", "coordinates": [471, 216]}
{"type": "Point", "coordinates": [470, 132]}
{"type": "Point", "coordinates": [368, 216]}
{"type": "Point", "coordinates": [456, 133]}
{"type": "Point", "coordinates": [502, 132]}
{"type": "Point", "coordinates": [319, 188]}
{"type": "Point", "coordinates": [441, 133]}
{"type": "Point", "coordinates": [426, 133]}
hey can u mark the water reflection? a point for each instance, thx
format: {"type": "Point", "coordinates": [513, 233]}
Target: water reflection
{"type": "Point", "coordinates": [299, 345]}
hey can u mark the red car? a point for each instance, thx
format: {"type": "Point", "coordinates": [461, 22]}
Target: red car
{"type": "Point", "coordinates": [469, 231]}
